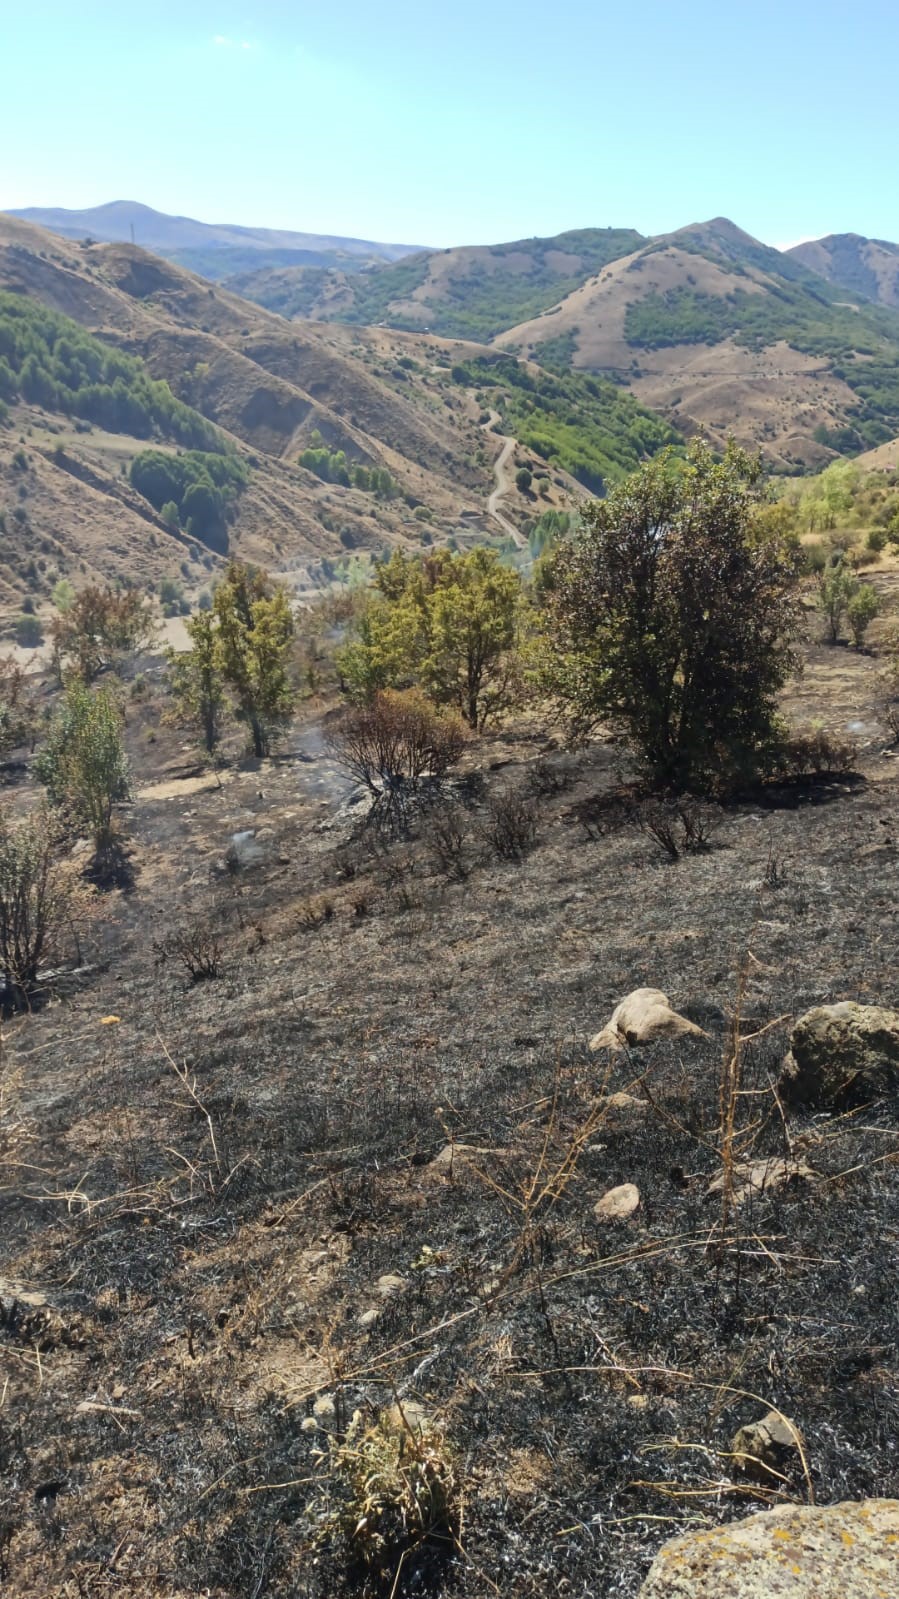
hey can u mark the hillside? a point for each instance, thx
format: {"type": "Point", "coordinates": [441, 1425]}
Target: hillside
{"type": "Point", "coordinates": [361, 406]}
{"type": "Point", "coordinates": [865, 267]}
{"type": "Point", "coordinates": [724, 334]}
{"type": "Point", "coordinates": [216, 250]}
{"type": "Point", "coordinates": [472, 292]}
{"type": "Point", "coordinates": [366, 1162]}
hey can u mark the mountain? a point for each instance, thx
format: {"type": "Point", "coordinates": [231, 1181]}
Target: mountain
{"type": "Point", "coordinates": [866, 267]}
{"type": "Point", "coordinates": [216, 250]}
{"type": "Point", "coordinates": [272, 389]}
{"type": "Point", "coordinates": [473, 292]}
{"type": "Point", "coordinates": [346, 441]}
{"type": "Point", "coordinates": [725, 334]}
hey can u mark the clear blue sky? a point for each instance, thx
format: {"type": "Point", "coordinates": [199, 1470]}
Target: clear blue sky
{"type": "Point", "coordinates": [460, 121]}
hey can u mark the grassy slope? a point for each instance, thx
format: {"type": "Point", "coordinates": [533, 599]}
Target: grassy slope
{"type": "Point", "coordinates": [469, 293]}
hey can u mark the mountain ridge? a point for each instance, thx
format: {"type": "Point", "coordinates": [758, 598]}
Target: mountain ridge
{"type": "Point", "coordinates": [869, 267]}
{"type": "Point", "coordinates": [225, 247]}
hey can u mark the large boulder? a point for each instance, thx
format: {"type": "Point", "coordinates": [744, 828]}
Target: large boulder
{"type": "Point", "coordinates": [841, 1055]}
{"type": "Point", "coordinates": [643, 1016]}
{"type": "Point", "coordinates": [847, 1551]}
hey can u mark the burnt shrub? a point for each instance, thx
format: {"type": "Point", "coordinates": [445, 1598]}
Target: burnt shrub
{"type": "Point", "coordinates": [680, 827]}
{"type": "Point", "coordinates": [511, 825]}
{"type": "Point", "coordinates": [197, 947]}
{"type": "Point", "coordinates": [448, 841]}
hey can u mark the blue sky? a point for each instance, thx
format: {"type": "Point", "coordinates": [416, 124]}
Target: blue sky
{"type": "Point", "coordinates": [460, 121]}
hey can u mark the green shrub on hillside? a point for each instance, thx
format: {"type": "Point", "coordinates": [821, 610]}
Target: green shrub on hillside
{"type": "Point", "coordinates": [48, 360]}
{"type": "Point", "coordinates": [585, 425]}
{"type": "Point", "coordinates": [198, 487]}
{"type": "Point", "coordinates": [332, 466]}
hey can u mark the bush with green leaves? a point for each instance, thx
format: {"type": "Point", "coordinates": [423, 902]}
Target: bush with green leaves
{"type": "Point", "coordinates": [83, 765]}
{"type": "Point", "coordinates": [671, 616]}
{"type": "Point", "coordinates": [49, 360]}
{"type": "Point", "coordinates": [837, 585]}
{"type": "Point", "coordinates": [199, 486]}
{"type": "Point", "coordinates": [253, 639]}
{"type": "Point", "coordinates": [861, 610]}
{"type": "Point", "coordinates": [196, 681]}
{"type": "Point", "coordinates": [449, 623]}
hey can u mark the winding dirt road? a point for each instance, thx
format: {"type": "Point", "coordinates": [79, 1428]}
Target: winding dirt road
{"type": "Point", "coordinates": [503, 474]}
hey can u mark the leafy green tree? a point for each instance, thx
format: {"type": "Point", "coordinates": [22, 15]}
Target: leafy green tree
{"type": "Point", "coordinates": [83, 765]}
{"type": "Point", "coordinates": [447, 622]}
{"type": "Point", "coordinates": [254, 637]}
{"type": "Point", "coordinates": [196, 681]}
{"type": "Point", "coordinates": [837, 585]}
{"type": "Point", "coordinates": [170, 514]}
{"type": "Point", "coordinates": [671, 615]}
{"type": "Point", "coordinates": [523, 480]}
{"type": "Point", "coordinates": [861, 610]}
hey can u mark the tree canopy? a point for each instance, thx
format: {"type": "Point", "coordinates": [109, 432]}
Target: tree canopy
{"type": "Point", "coordinates": [671, 614]}
{"type": "Point", "coordinates": [448, 623]}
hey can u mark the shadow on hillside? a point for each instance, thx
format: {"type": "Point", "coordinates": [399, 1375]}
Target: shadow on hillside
{"type": "Point", "coordinates": [820, 788]}
{"type": "Point", "coordinates": [113, 868]}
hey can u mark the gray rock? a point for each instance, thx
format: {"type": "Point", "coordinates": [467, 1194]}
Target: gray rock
{"type": "Point", "coordinates": [840, 1055]}
{"type": "Point", "coordinates": [617, 1204]}
{"type": "Point", "coordinates": [846, 1551]}
{"type": "Point", "coordinates": [754, 1177]}
{"type": "Point", "coordinates": [768, 1449]}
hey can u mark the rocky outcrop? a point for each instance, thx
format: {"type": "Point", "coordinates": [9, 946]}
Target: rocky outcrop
{"type": "Point", "coordinates": [841, 1055]}
{"type": "Point", "coordinates": [847, 1551]}
{"type": "Point", "coordinates": [643, 1016]}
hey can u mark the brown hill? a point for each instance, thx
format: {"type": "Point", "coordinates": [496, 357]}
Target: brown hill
{"type": "Point", "coordinates": [722, 334]}
{"type": "Point", "coordinates": [385, 398]}
{"type": "Point", "coordinates": [468, 292]}
{"type": "Point", "coordinates": [866, 267]}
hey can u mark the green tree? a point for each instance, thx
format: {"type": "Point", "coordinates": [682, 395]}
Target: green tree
{"type": "Point", "coordinates": [671, 615]}
{"type": "Point", "coordinates": [449, 623]}
{"type": "Point", "coordinates": [837, 585]}
{"type": "Point", "coordinates": [83, 765]}
{"type": "Point", "coordinates": [861, 610]}
{"type": "Point", "coordinates": [196, 681]}
{"type": "Point", "coordinates": [254, 635]}
{"type": "Point", "coordinates": [523, 480]}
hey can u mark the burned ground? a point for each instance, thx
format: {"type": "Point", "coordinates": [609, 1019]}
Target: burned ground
{"type": "Point", "coordinates": [236, 1197]}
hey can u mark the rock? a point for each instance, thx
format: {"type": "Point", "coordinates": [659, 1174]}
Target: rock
{"type": "Point", "coordinates": [618, 1203]}
{"type": "Point", "coordinates": [768, 1449]}
{"type": "Point", "coordinates": [452, 1155]}
{"type": "Point", "coordinates": [389, 1284]}
{"type": "Point", "coordinates": [840, 1055]}
{"type": "Point", "coordinates": [623, 1107]}
{"type": "Point", "coordinates": [755, 1177]}
{"type": "Point", "coordinates": [643, 1016]}
{"type": "Point", "coordinates": [845, 1551]}
{"type": "Point", "coordinates": [368, 1319]}
{"type": "Point", "coordinates": [405, 1417]}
